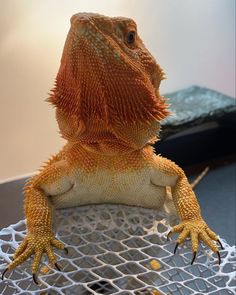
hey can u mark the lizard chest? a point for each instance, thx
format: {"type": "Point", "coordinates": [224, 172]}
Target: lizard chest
{"type": "Point", "coordinates": [108, 186]}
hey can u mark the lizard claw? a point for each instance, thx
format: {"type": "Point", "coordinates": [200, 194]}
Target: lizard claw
{"type": "Point", "coordinates": [176, 246]}
{"type": "Point", "coordinates": [57, 266]}
{"type": "Point", "coordinates": [219, 258]}
{"type": "Point", "coordinates": [35, 279]}
{"type": "Point", "coordinates": [168, 235]}
{"type": "Point", "coordinates": [194, 256]}
{"type": "Point", "coordinates": [66, 251]}
{"type": "Point", "coordinates": [4, 273]}
{"type": "Point", "coordinates": [221, 246]}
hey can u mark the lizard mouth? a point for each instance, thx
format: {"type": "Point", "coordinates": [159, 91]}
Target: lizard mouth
{"type": "Point", "coordinates": [156, 77]}
{"type": "Point", "coordinates": [155, 84]}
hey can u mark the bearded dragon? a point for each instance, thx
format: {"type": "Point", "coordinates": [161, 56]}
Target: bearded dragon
{"type": "Point", "coordinates": [108, 108]}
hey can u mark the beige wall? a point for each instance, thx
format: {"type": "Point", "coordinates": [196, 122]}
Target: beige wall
{"type": "Point", "coordinates": [192, 40]}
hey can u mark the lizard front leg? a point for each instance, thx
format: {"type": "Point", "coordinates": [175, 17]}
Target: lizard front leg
{"type": "Point", "coordinates": [167, 173]}
{"type": "Point", "coordinates": [38, 211]}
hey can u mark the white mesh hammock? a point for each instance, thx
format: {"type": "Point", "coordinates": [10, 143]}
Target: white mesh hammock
{"type": "Point", "coordinates": [116, 249]}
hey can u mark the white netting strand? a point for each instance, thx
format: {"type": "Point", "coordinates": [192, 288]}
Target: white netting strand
{"type": "Point", "coordinates": [118, 250]}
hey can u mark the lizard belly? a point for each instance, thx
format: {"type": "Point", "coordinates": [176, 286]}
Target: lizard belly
{"type": "Point", "coordinates": [127, 187]}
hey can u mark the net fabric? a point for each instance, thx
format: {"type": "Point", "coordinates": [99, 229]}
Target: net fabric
{"type": "Point", "coordinates": [115, 249]}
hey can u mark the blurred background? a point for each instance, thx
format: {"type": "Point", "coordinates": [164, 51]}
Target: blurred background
{"type": "Point", "coordinates": [193, 41]}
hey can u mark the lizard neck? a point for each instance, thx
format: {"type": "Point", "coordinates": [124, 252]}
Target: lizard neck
{"type": "Point", "coordinates": [98, 137]}
{"type": "Point", "coordinates": [92, 157]}
{"type": "Point", "coordinates": [107, 148]}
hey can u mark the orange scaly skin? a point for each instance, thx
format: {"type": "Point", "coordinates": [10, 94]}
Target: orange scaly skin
{"type": "Point", "coordinates": [109, 109]}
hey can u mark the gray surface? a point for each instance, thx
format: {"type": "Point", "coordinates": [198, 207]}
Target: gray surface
{"type": "Point", "coordinates": [216, 194]}
{"type": "Point", "coordinates": [196, 105]}
{"type": "Point", "coordinates": [11, 202]}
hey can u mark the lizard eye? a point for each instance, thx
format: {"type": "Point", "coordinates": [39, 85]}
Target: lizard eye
{"type": "Point", "coordinates": [131, 36]}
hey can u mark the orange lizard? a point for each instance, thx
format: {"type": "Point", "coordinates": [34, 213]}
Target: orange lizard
{"type": "Point", "coordinates": [108, 108]}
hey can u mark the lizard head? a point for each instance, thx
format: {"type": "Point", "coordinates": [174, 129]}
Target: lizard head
{"type": "Point", "coordinates": [107, 87]}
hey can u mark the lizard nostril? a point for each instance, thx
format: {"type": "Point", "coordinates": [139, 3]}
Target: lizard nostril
{"type": "Point", "coordinates": [83, 18]}
{"type": "Point", "coordinates": [79, 19]}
